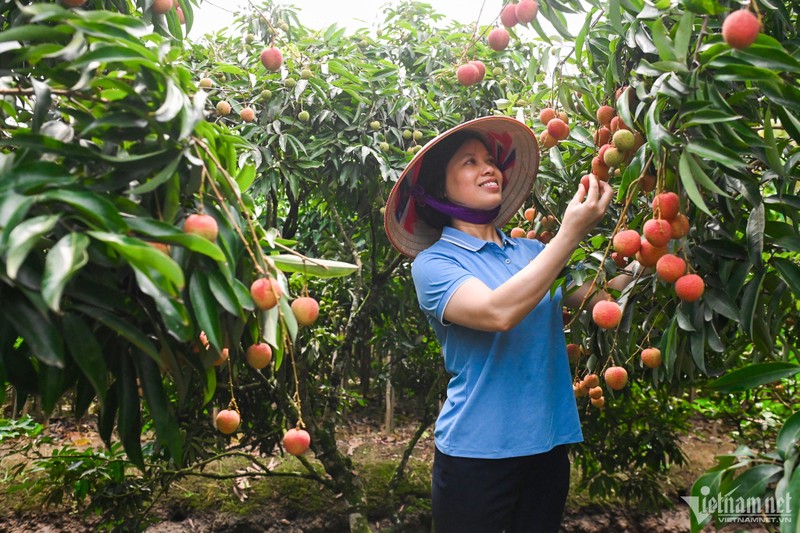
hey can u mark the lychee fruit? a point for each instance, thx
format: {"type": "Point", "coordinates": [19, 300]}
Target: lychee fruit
{"type": "Point", "coordinates": [530, 214]}
{"type": "Point", "coordinates": [468, 74]}
{"type": "Point", "coordinates": [616, 377]}
{"type": "Point", "coordinates": [296, 441]}
{"type": "Point", "coordinates": [272, 59]}
{"type": "Point", "coordinates": [305, 310]}
{"type": "Point", "coordinates": [690, 287]}
{"type": "Point", "coordinates": [546, 115]}
{"type": "Point", "coordinates": [613, 157]}
{"type": "Point", "coordinates": [599, 403]}
{"type": "Point", "coordinates": [228, 421]}
{"type": "Point", "coordinates": [266, 292]}
{"type": "Point", "coordinates": [604, 115]}
{"type": "Point", "coordinates": [558, 129]}
{"type": "Point", "coordinates": [647, 182]}
{"type": "Point", "coordinates": [602, 136]}
{"type": "Point", "coordinates": [666, 205]}
{"type": "Point", "coordinates": [203, 225]}
{"type": "Point", "coordinates": [547, 141]}
{"type": "Point", "coordinates": [627, 242]}
{"type": "Point", "coordinates": [247, 114]}
{"type": "Point", "coordinates": [573, 352]}
{"type": "Point", "coordinates": [517, 233]}
{"type": "Point", "coordinates": [595, 392]}
{"type": "Point", "coordinates": [679, 226]}
{"type": "Point", "coordinates": [508, 16]}
{"type": "Point", "coordinates": [526, 11]}
{"type": "Point", "coordinates": [657, 231]}
{"type": "Point", "coordinates": [670, 267]}
{"type": "Point", "coordinates": [607, 314]}
{"type": "Point", "coordinates": [651, 357]}
{"type": "Point", "coordinates": [619, 260]}
{"type": "Point", "coordinates": [591, 380]}
{"type": "Point", "coordinates": [498, 39]}
{"type": "Point", "coordinates": [478, 64]}
{"type": "Point", "coordinates": [600, 169]}
{"type": "Point", "coordinates": [648, 255]}
{"type": "Point", "coordinates": [223, 108]}
{"type": "Point", "coordinates": [623, 140]}
{"type": "Point", "coordinates": [740, 28]}
{"type": "Point", "coordinates": [259, 355]}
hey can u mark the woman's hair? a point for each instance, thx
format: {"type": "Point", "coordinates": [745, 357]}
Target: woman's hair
{"type": "Point", "coordinates": [433, 171]}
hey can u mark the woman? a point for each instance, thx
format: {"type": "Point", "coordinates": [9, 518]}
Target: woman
{"type": "Point", "coordinates": [501, 438]}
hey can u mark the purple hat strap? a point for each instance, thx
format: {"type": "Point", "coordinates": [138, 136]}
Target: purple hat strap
{"type": "Point", "coordinates": [467, 214]}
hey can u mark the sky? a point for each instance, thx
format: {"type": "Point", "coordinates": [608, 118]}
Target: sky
{"type": "Point", "coordinates": [215, 15]}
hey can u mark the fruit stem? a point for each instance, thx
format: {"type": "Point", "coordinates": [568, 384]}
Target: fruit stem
{"type": "Point", "coordinates": [232, 404]}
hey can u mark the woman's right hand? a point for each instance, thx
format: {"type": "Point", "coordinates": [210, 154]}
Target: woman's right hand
{"type": "Point", "coordinates": [586, 209]}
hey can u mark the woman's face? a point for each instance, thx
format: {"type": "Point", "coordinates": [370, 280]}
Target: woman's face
{"type": "Point", "coordinates": [472, 178]}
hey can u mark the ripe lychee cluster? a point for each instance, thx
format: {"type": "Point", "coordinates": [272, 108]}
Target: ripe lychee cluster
{"type": "Point", "coordinates": [512, 14]}
{"type": "Point", "coordinates": [542, 226]}
{"type": "Point", "coordinates": [616, 143]}
{"type": "Point", "coordinates": [556, 127]}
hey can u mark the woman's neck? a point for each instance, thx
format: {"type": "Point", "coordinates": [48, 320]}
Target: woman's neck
{"type": "Point", "coordinates": [485, 232]}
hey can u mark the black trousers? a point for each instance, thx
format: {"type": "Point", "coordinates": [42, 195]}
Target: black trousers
{"type": "Point", "coordinates": [515, 495]}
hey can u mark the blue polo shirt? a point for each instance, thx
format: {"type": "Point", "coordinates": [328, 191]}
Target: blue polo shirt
{"type": "Point", "coordinates": [510, 393]}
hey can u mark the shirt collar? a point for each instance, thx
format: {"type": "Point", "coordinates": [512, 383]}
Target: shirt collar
{"type": "Point", "coordinates": [469, 242]}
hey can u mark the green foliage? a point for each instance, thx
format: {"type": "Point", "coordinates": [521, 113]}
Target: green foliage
{"type": "Point", "coordinates": [630, 446]}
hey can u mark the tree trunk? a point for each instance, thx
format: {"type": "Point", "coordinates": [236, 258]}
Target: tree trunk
{"type": "Point", "coordinates": [388, 424]}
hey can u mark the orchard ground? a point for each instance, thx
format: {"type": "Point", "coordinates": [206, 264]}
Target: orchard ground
{"type": "Point", "coordinates": [280, 504]}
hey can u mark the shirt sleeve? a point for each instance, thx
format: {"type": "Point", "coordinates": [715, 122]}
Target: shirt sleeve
{"type": "Point", "coordinates": [436, 279]}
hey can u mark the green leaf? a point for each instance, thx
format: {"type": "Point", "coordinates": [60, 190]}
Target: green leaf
{"type": "Point", "coordinates": [751, 484]}
{"type": "Point", "coordinates": [225, 294]}
{"type": "Point", "coordinates": [24, 237]}
{"type": "Point", "coordinates": [750, 301]}
{"type": "Point", "coordinates": [708, 149]}
{"type": "Point", "coordinates": [173, 311]}
{"type": "Point", "coordinates": [37, 329]}
{"type": "Point", "coordinates": [683, 35]}
{"type": "Point", "coordinates": [95, 209]}
{"type": "Point", "coordinates": [63, 261]}
{"type": "Point", "coordinates": [158, 266]}
{"type": "Point", "coordinates": [702, 178]}
{"type": "Point", "coordinates": [789, 435]}
{"type": "Point", "coordinates": [129, 421]}
{"type": "Point", "coordinates": [755, 235]}
{"type": "Point", "coordinates": [167, 233]}
{"type": "Point", "coordinates": [754, 375]}
{"type": "Point", "coordinates": [321, 268]}
{"type": "Point", "coordinates": [173, 103]}
{"type": "Point", "coordinates": [773, 158]}
{"type": "Point", "coordinates": [86, 352]}
{"type": "Point", "coordinates": [52, 384]}
{"type": "Point", "coordinates": [687, 178]}
{"type": "Point", "coordinates": [706, 484]}
{"type": "Point", "coordinates": [164, 420]}
{"type": "Point", "coordinates": [722, 303]}
{"type": "Point", "coordinates": [793, 493]}
{"type": "Point", "coordinates": [662, 41]}
{"type": "Point", "coordinates": [129, 332]}
{"type": "Point", "coordinates": [789, 271]}
{"type": "Point", "coordinates": [160, 178]}
{"type": "Point", "coordinates": [615, 16]}
{"type": "Point", "coordinates": [33, 33]}
{"type": "Point", "coordinates": [204, 307]}
{"type": "Point", "coordinates": [271, 333]}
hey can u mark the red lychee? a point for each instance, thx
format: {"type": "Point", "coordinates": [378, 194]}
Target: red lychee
{"type": "Point", "coordinates": [546, 115]}
{"type": "Point", "coordinates": [573, 352]}
{"type": "Point", "coordinates": [666, 205]}
{"type": "Point", "coordinates": [627, 242]}
{"type": "Point", "coordinates": [272, 59]}
{"type": "Point", "coordinates": [547, 141]}
{"type": "Point", "coordinates": [517, 233]}
{"type": "Point", "coordinates": [296, 441]}
{"type": "Point", "coordinates": [498, 39]}
{"type": "Point", "coordinates": [616, 377]}
{"type": "Point", "coordinates": [679, 226]}
{"type": "Point", "coordinates": [591, 380]}
{"type": "Point", "coordinates": [259, 355]}
{"type": "Point", "coordinates": [602, 136]}
{"type": "Point", "coordinates": [648, 255]}
{"type": "Point", "coordinates": [670, 267]}
{"type": "Point", "coordinates": [228, 421]}
{"type": "Point", "coordinates": [202, 225]}
{"type": "Point", "coordinates": [480, 66]}
{"type": "Point", "coordinates": [558, 129]}
{"type": "Point", "coordinates": [657, 231]}
{"type": "Point", "coordinates": [526, 11]}
{"type": "Point", "coordinates": [690, 287]}
{"type": "Point", "coordinates": [607, 314]}
{"type": "Point", "coordinates": [305, 310]}
{"type": "Point", "coordinates": [508, 16]}
{"type": "Point", "coordinates": [740, 28]}
{"type": "Point", "coordinates": [161, 6]}
{"type": "Point", "coordinates": [604, 115]}
{"type": "Point", "coordinates": [266, 292]}
{"type": "Point", "coordinates": [600, 169]}
{"type": "Point", "coordinates": [468, 74]}
{"type": "Point", "coordinates": [651, 357]}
